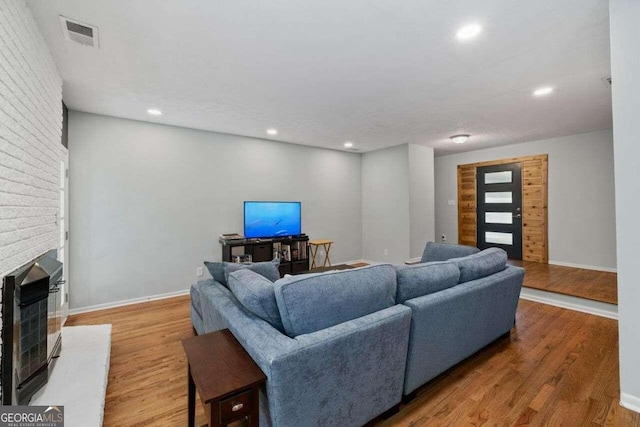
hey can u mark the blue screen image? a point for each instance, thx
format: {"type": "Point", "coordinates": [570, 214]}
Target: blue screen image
{"type": "Point", "coordinates": [271, 219]}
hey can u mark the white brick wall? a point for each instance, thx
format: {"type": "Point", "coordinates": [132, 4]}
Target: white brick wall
{"type": "Point", "coordinates": [30, 132]}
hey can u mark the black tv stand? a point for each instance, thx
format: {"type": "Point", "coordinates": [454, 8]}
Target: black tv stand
{"type": "Point", "coordinates": [293, 252]}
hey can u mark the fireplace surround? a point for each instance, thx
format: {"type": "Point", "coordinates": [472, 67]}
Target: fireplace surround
{"type": "Point", "coordinates": [31, 325]}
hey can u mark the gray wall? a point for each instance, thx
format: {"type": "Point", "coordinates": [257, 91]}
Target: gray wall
{"type": "Point", "coordinates": [397, 202]}
{"type": "Point", "coordinates": [625, 66]}
{"type": "Point", "coordinates": [421, 198]}
{"type": "Point", "coordinates": [385, 205]}
{"type": "Point", "coordinates": [148, 201]}
{"type": "Point", "coordinates": [581, 195]}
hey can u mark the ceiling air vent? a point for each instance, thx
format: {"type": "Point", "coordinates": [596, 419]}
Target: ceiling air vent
{"type": "Point", "coordinates": [79, 32]}
{"type": "Point", "coordinates": [607, 81]}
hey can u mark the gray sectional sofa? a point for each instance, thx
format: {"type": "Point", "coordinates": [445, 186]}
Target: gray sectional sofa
{"type": "Point", "coordinates": [341, 348]}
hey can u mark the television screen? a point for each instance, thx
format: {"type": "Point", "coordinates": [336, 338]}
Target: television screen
{"type": "Point", "coordinates": [272, 219]}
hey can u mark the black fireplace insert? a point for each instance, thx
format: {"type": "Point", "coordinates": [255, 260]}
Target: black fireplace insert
{"type": "Point", "coordinates": [31, 327]}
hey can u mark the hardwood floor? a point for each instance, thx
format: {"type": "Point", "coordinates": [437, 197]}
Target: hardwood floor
{"type": "Point", "coordinates": [559, 367]}
{"type": "Point", "coordinates": [594, 285]}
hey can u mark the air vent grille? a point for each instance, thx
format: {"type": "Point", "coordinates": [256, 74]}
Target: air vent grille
{"type": "Point", "coordinates": [79, 32]}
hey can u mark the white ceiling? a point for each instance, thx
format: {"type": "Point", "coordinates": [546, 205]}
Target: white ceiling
{"type": "Point", "coordinates": [375, 72]}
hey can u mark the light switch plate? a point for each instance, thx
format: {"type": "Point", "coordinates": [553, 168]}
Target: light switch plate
{"type": "Point", "coordinates": [451, 202]}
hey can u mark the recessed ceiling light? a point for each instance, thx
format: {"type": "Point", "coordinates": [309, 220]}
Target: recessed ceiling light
{"type": "Point", "coordinates": [272, 131]}
{"type": "Point", "coordinates": [348, 144]}
{"type": "Point", "coordinates": [543, 91]}
{"type": "Point", "coordinates": [459, 139]}
{"type": "Point", "coordinates": [154, 112]}
{"type": "Point", "coordinates": [468, 32]}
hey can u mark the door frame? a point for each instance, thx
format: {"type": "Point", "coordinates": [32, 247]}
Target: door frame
{"type": "Point", "coordinates": [534, 204]}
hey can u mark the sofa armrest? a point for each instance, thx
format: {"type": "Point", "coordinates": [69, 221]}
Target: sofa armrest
{"type": "Point", "coordinates": [343, 375]}
{"type": "Point", "coordinates": [346, 374]}
{"type": "Point", "coordinates": [450, 325]}
{"type": "Point", "coordinates": [220, 309]}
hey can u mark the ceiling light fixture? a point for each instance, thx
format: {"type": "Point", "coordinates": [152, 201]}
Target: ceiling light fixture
{"type": "Point", "coordinates": [543, 91]}
{"type": "Point", "coordinates": [468, 32]}
{"type": "Point", "coordinates": [154, 112]}
{"type": "Point", "coordinates": [348, 144]}
{"type": "Point", "coordinates": [459, 139]}
{"type": "Point", "coordinates": [272, 131]}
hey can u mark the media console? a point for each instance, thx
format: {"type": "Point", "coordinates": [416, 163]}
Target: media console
{"type": "Point", "coordinates": [293, 252]}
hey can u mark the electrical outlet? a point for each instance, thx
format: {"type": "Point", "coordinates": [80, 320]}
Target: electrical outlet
{"type": "Point", "coordinates": [199, 272]}
{"type": "Point", "coordinates": [443, 237]}
{"type": "Point", "coordinates": [386, 252]}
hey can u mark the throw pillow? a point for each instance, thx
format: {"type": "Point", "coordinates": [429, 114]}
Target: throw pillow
{"type": "Point", "coordinates": [220, 270]}
{"type": "Point", "coordinates": [445, 251]}
{"type": "Point", "coordinates": [268, 269]}
{"type": "Point", "coordinates": [216, 269]}
{"type": "Point", "coordinates": [256, 294]}
{"type": "Point", "coordinates": [422, 279]}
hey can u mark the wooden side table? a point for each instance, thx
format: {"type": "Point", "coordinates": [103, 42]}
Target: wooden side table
{"type": "Point", "coordinates": [227, 379]}
{"type": "Point", "coordinates": [313, 248]}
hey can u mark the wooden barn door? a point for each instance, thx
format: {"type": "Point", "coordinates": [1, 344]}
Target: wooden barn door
{"type": "Point", "coordinates": [534, 205]}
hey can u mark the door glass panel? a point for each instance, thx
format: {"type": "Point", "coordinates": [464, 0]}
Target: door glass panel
{"type": "Point", "coordinates": [498, 238]}
{"type": "Point", "coordinates": [498, 197]}
{"type": "Point", "coordinates": [497, 177]}
{"type": "Point", "coordinates": [498, 218]}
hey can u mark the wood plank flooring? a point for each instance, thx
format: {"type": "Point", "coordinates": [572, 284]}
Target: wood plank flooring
{"type": "Point", "coordinates": [590, 284]}
{"type": "Point", "coordinates": [559, 367]}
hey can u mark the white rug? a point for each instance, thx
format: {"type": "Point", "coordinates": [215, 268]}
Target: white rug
{"type": "Point", "coordinates": [79, 378]}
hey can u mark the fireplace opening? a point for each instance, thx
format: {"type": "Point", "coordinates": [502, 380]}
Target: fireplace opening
{"type": "Point", "coordinates": [31, 338]}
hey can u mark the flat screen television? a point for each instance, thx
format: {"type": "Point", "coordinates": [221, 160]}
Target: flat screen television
{"type": "Point", "coordinates": [272, 219]}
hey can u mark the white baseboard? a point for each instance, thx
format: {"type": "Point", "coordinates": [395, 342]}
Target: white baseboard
{"type": "Point", "coordinates": [366, 261]}
{"type": "Point", "coordinates": [597, 308]}
{"type": "Point", "coordinates": [630, 402]}
{"type": "Point", "coordinates": [583, 266]}
{"type": "Point", "coordinates": [127, 302]}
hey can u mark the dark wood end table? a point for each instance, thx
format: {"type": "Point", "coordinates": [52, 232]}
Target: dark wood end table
{"type": "Point", "coordinates": [227, 379]}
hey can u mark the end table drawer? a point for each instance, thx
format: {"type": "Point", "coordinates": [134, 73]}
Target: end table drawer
{"type": "Point", "coordinates": [235, 407]}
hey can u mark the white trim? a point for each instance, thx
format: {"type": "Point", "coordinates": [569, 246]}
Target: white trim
{"type": "Point", "coordinates": [585, 267]}
{"type": "Point", "coordinates": [131, 301]}
{"type": "Point", "coordinates": [597, 308]}
{"type": "Point", "coordinates": [357, 261]}
{"type": "Point", "coordinates": [630, 402]}
{"type": "Point", "coordinates": [127, 302]}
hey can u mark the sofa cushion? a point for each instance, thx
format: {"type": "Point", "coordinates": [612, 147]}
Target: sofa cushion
{"type": "Point", "coordinates": [482, 264]}
{"type": "Point", "coordinates": [422, 279]}
{"type": "Point", "coordinates": [311, 302]}
{"type": "Point", "coordinates": [445, 251]}
{"type": "Point", "coordinates": [220, 270]}
{"type": "Point", "coordinates": [255, 292]}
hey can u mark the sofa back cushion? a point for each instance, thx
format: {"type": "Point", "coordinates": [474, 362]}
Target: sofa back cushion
{"type": "Point", "coordinates": [311, 302]}
{"type": "Point", "coordinates": [445, 251]}
{"type": "Point", "coordinates": [220, 270]}
{"type": "Point", "coordinates": [256, 294]}
{"type": "Point", "coordinates": [422, 279]}
{"type": "Point", "coordinates": [482, 264]}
